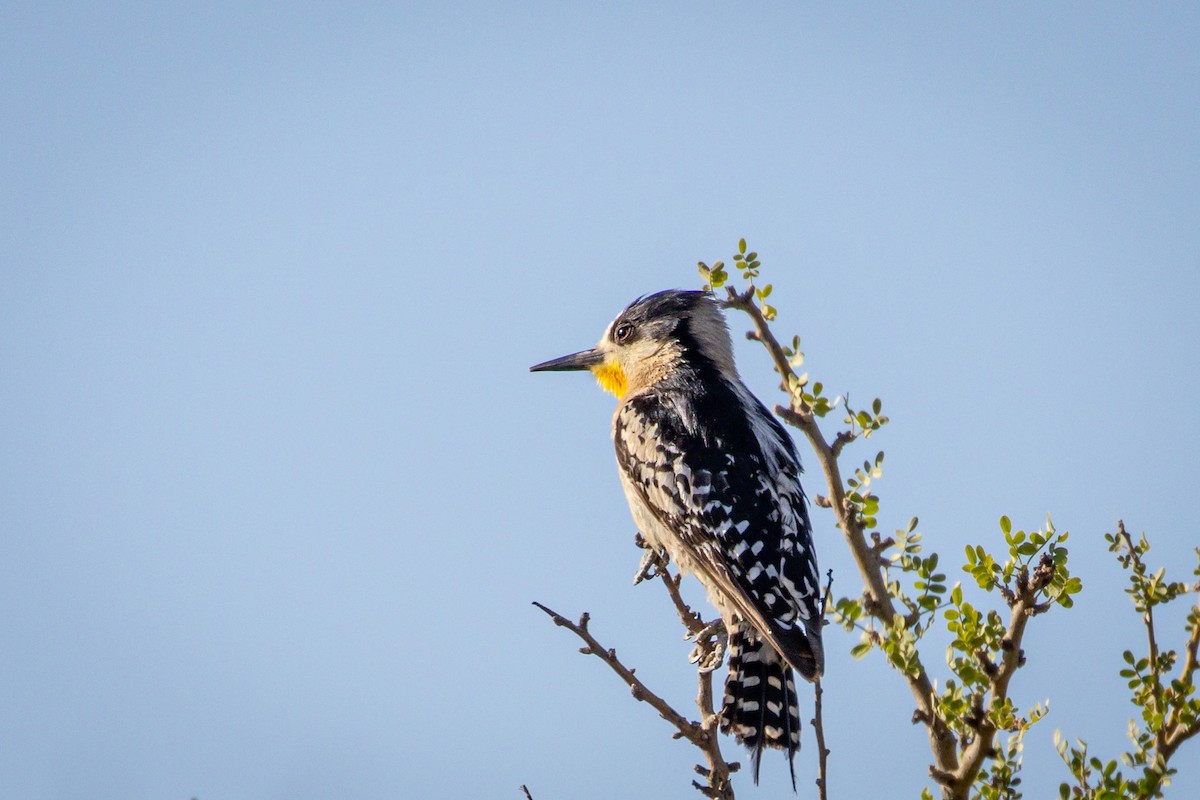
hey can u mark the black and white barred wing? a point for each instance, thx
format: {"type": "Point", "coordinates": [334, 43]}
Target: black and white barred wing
{"type": "Point", "coordinates": [738, 522]}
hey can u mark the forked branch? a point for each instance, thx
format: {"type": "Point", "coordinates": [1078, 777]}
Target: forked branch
{"type": "Point", "coordinates": [703, 734]}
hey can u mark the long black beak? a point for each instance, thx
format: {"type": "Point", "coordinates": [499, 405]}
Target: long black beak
{"type": "Point", "coordinates": [585, 359]}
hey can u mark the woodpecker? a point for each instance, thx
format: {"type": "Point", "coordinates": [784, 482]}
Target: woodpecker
{"type": "Point", "coordinates": [713, 480]}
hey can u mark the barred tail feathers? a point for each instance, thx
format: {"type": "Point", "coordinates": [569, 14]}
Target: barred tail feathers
{"type": "Point", "coordinates": [760, 707]}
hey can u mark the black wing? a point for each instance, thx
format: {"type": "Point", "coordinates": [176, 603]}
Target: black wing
{"type": "Point", "coordinates": [734, 503]}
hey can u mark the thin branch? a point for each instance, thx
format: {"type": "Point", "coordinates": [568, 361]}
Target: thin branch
{"type": "Point", "coordinates": [818, 720]}
{"type": "Point", "coordinates": [1176, 731]}
{"type": "Point", "coordinates": [841, 440]}
{"type": "Point", "coordinates": [818, 724]}
{"type": "Point", "coordinates": [1012, 657]}
{"type": "Point", "coordinates": [1160, 735]}
{"type": "Point", "coordinates": [525, 789]}
{"type": "Point", "coordinates": [703, 734]}
{"type": "Point", "coordinates": [687, 729]}
{"type": "Point", "coordinates": [690, 619]}
{"type": "Point", "coordinates": [1188, 670]}
{"type": "Point", "coordinates": [718, 770]}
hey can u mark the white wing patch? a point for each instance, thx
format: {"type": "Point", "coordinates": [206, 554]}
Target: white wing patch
{"type": "Point", "coordinates": [737, 523]}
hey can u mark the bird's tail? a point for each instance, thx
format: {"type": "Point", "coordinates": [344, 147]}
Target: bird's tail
{"type": "Point", "coordinates": [760, 707]}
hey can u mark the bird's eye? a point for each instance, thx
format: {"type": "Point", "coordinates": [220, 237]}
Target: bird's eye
{"type": "Point", "coordinates": [623, 332]}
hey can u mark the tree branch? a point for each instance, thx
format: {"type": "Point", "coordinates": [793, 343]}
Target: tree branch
{"type": "Point", "coordinates": [942, 740]}
{"type": "Point", "coordinates": [690, 619]}
{"type": "Point", "coordinates": [1188, 670]}
{"type": "Point", "coordinates": [703, 734]}
{"type": "Point", "coordinates": [686, 729]}
{"type": "Point", "coordinates": [1160, 735]}
{"type": "Point", "coordinates": [818, 723]}
{"type": "Point", "coordinates": [1024, 606]}
{"type": "Point", "coordinates": [818, 720]}
{"type": "Point", "coordinates": [1175, 731]}
{"type": "Point", "coordinates": [1180, 732]}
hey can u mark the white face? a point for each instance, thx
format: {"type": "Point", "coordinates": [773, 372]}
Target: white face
{"type": "Point", "coordinates": [649, 340]}
{"type": "Point", "coordinates": [632, 359]}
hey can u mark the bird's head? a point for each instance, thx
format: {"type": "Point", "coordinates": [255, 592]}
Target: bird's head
{"type": "Point", "coordinates": [652, 339]}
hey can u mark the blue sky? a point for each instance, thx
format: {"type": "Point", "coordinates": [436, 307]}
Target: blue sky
{"type": "Point", "coordinates": [276, 489]}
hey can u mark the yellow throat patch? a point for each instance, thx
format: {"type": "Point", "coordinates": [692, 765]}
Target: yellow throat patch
{"type": "Point", "coordinates": [611, 377]}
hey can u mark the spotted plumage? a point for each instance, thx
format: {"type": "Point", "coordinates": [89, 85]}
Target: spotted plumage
{"type": "Point", "coordinates": [713, 479]}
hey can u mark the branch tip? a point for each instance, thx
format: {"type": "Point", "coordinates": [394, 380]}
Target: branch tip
{"type": "Point", "coordinates": [941, 776]}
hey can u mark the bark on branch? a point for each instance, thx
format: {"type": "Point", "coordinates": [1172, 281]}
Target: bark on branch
{"type": "Point", "coordinates": [703, 734]}
{"type": "Point", "coordinates": [1024, 606]}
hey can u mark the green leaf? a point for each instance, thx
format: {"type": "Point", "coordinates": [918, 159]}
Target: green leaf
{"type": "Point", "coordinates": [1006, 525]}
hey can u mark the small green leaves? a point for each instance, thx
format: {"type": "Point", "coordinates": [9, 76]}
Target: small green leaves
{"type": "Point", "coordinates": [860, 498]}
{"type": "Point", "coordinates": [982, 567]}
{"type": "Point", "coordinates": [1062, 588]}
{"type": "Point", "coordinates": [813, 402]}
{"type": "Point", "coordinates": [747, 263]}
{"type": "Point", "coordinates": [1024, 549]}
{"type": "Point", "coordinates": [866, 422]}
{"type": "Point", "coordinates": [794, 356]}
{"type": "Point", "coordinates": [899, 644]}
{"type": "Point", "coordinates": [1169, 708]}
{"type": "Point", "coordinates": [847, 612]}
{"type": "Point", "coordinates": [714, 276]}
{"type": "Point", "coordinates": [768, 311]}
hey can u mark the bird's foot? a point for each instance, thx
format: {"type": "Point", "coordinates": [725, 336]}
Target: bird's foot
{"type": "Point", "coordinates": [711, 641]}
{"type": "Point", "coordinates": [654, 561]}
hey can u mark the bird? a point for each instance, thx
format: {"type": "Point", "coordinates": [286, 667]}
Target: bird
{"type": "Point", "coordinates": [712, 479]}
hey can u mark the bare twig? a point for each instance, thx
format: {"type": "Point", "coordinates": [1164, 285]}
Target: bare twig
{"type": "Point", "coordinates": [690, 619]}
{"type": "Point", "coordinates": [525, 789]}
{"type": "Point", "coordinates": [703, 734]}
{"type": "Point", "coordinates": [687, 729]}
{"type": "Point", "coordinates": [841, 440]}
{"type": "Point", "coordinates": [818, 720]}
{"type": "Point", "coordinates": [818, 723]}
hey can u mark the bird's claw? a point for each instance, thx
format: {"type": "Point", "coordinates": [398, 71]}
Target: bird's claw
{"type": "Point", "coordinates": [654, 561]}
{"type": "Point", "coordinates": [711, 641]}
